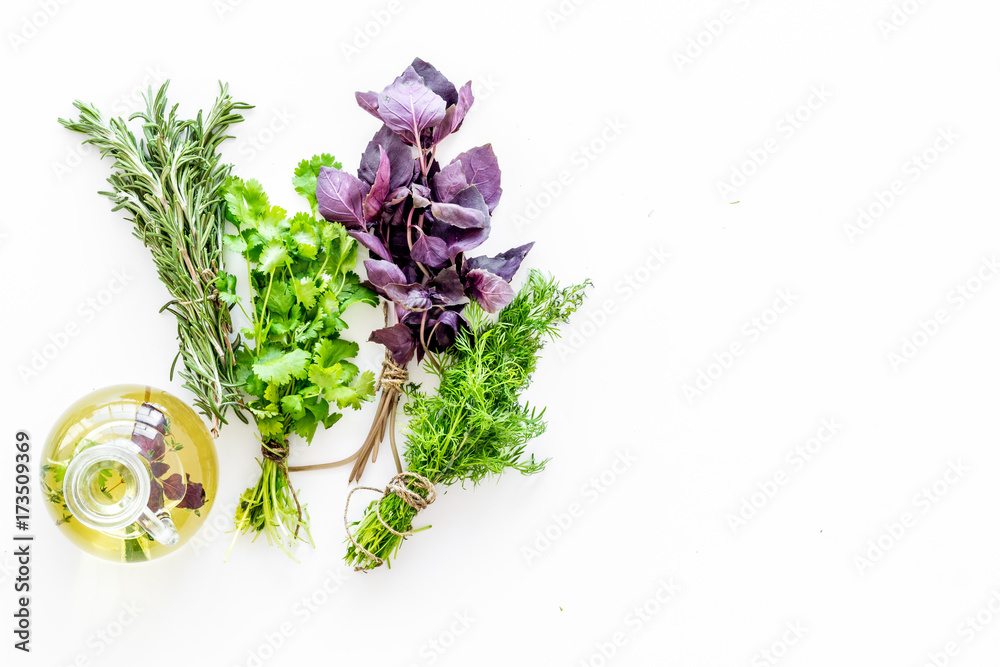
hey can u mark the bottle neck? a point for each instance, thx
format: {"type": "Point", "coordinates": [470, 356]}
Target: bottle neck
{"type": "Point", "coordinates": [107, 486]}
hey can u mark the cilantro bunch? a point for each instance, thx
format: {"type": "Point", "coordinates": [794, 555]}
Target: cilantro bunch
{"type": "Point", "coordinates": [476, 424]}
{"type": "Point", "coordinates": [295, 367]}
{"type": "Point", "coordinates": [418, 219]}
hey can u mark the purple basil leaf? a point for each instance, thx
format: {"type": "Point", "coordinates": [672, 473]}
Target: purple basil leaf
{"type": "Point", "coordinates": [448, 288]}
{"type": "Point", "coordinates": [372, 242]}
{"type": "Point", "coordinates": [504, 265]}
{"type": "Point", "coordinates": [465, 210]}
{"type": "Point", "coordinates": [409, 107]}
{"type": "Point", "coordinates": [430, 251]}
{"type": "Point", "coordinates": [449, 181]}
{"type": "Point", "coordinates": [368, 101]}
{"type": "Point", "coordinates": [411, 297]}
{"type": "Point", "coordinates": [490, 290]}
{"type": "Point", "coordinates": [458, 216]}
{"type": "Point", "coordinates": [436, 81]}
{"type": "Point", "coordinates": [158, 468]}
{"type": "Point", "coordinates": [382, 273]}
{"type": "Point", "coordinates": [421, 194]}
{"type": "Point", "coordinates": [444, 330]}
{"type": "Point", "coordinates": [155, 501]}
{"type": "Point", "coordinates": [396, 196]}
{"type": "Point", "coordinates": [398, 339]}
{"type": "Point", "coordinates": [380, 188]}
{"type": "Point", "coordinates": [194, 496]}
{"type": "Point", "coordinates": [455, 114]}
{"type": "Point", "coordinates": [173, 487]}
{"type": "Point", "coordinates": [149, 441]}
{"type": "Point", "coordinates": [482, 170]}
{"type": "Point", "coordinates": [340, 196]}
{"type": "Point", "coordinates": [400, 159]}
{"type": "Point", "coordinates": [460, 240]}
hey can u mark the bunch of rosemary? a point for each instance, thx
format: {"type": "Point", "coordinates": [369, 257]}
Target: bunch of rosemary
{"type": "Point", "coordinates": [168, 182]}
{"type": "Point", "coordinates": [475, 425]}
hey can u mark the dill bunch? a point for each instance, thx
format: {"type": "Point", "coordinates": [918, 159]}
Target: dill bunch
{"type": "Point", "coordinates": [169, 183]}
{"type": "Point", "coordinates": [475, 425]}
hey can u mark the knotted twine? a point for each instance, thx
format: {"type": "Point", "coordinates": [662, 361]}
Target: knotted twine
{"type": "Point", "coordinates": [278, 454]}
{"type": "Point", "coordinates": [398, 487]}
{"type": "Point", "coordinates": [393, 376]}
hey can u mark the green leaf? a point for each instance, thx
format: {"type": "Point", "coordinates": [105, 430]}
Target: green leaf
{"type": "Point", "coordinates": [327, 379]}
{"type": "Point", "coordinates": [235, 243]}
{"type": "Point", "coordinates": [305, 427]}
{"type": "Point", "coordinates": [273, 255]}
{"type": "Point", "coordinates": [307, 172]}
{"type": "Point", "coordinates": [354, 292]}
{"type": "Point", "coordinates": [362, 389]}
{"type": "Point", "coordinates": [270, 428]}
{"type": "Point", "coordinates": [281, 298]}
{"type": "Point", "coordinates": [226, 284]}
{"type": "Point", "coordinates": [328, 352]}
{"type": "Point", "coordinates": [281, 368]}
{"type": "Point", "coordinates": [292, 405]}
{"type": "Point", "coordinates": [306, 291]}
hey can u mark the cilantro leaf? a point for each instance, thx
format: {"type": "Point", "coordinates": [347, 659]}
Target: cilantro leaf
{"type": "Point", "coordinates": [281, 368]}
{"type": "Point", "coordinates": [362, 389]}
{"type": "Point", "coordinates": [307, 172]}
{"type": "Point", "coordinates": [306, 291]}
{"type": "Point", "coordinates": [274, 255]}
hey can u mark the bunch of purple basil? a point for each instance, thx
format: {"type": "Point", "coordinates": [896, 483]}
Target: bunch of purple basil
{"type": "Point", "coordinates": [417, 218]}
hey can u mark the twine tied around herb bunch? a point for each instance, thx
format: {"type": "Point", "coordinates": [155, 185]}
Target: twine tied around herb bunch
{"type": "Point", "coordinates": [397, 486]}
{"type": "Point", "coordinates": [278, 454]}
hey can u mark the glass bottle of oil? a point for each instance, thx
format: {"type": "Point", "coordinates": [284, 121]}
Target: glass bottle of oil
{"type": "Point", "coordinates": [130, 473]}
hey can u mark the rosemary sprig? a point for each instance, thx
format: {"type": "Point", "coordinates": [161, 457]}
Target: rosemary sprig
{"type": "Point", "coordinates": [168, 182]}
{"type": "Point", "coordinates": [475, 426]}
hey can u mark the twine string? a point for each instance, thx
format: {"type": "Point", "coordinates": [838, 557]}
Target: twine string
{"type": "Point", "coordinates": [398, 486]}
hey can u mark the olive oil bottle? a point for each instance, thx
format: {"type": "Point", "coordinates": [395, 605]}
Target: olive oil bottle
{"type": "Point", "coordinates": [129, 473]}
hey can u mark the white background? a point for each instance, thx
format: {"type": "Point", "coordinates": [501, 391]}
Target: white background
{"type": "Point", "coordinates": [673, 130]}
